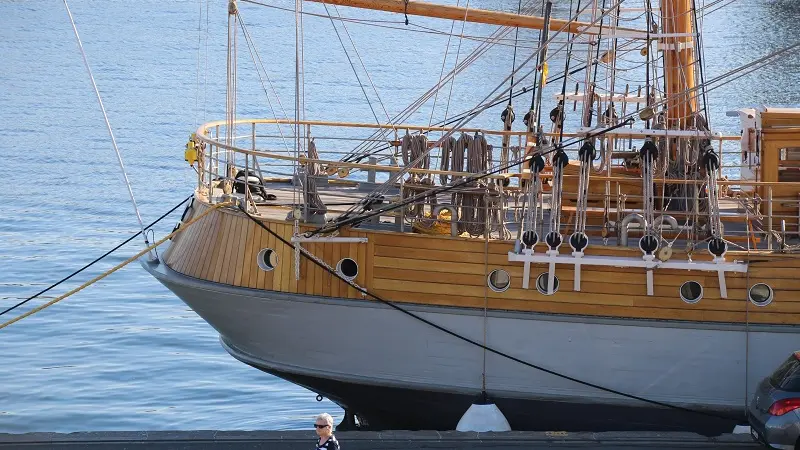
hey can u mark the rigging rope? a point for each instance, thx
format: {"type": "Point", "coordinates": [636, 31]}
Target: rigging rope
{"type": "Point", "coordinates": [561, 113]}
{"type": "Point", "coordinates": [108, 124]}
{"type": "Point", "coordinates": [440, 189]}
{"type": "Point", "coordinates": [586, 155]}
{"type": "Point", "coordinates": [473, 203]}
{"type": "Point", "coordinates": [627, 120]}
{"type": "Point", "coordinates": [258, 63]}
{"type": "Point", "coordinates": [648, 154]}
{"type": "Point", "coordinates": [530, 88]}
{"type": "Point", "coordinates": [447, 153]}
{"type": "Point", "coordinates": [441, 71]}
{"type": "Point", "coordinates": [115, 268]}
{"type": "Point", "coordinates": [534, 116]}
{"type": "Point", "coordinates": [456, 118]}
{"type": "Point", "coordinates": [591, 88]}
{"type": "Point", "coordinates": [311, 170]}
{"type": "Point", "coordinates": [478, 344]}
{"type": "Point", "coordinates": [120, 245]}
{"type": "Point", "coordinates": [528, 233]}
{"type": "Point", "coordinates": [361, 61]}
{"type": "Point", "coordinates": [514, 59]}
{"type": "Point", "coordinates": [482, 105]}
{"type": "Point", "coordinates": [458, 53]}
{"type": "Point", "coordinates": [699, 54]}
{"type": "Point", "coordinates": [362, 151]}
{"type": "Point", "coordinates": [559, 161]}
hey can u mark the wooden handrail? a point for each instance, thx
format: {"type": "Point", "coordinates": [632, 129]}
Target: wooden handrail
{"type": "Point", "coordinates": [524, 174]}
{"type": "Point", "coordinates": [399, 127]}
{"type": "Point", "coordinates": [388, 126]}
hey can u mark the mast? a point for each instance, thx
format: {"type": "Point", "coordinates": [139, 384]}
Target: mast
{"type": "Point", "coordinates": [679, 61]}
{"type": "Point", "coordinates": [475, 15]}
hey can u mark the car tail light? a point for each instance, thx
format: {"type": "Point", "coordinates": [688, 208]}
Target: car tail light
{"type": "Point", "coordinates": [782, 407]}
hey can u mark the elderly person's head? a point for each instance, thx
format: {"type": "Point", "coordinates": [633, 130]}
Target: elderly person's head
{"type": "Point", "coordinates": [324, 425]}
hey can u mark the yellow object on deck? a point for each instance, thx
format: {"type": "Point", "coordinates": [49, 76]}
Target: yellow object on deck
{"type": "Point", "coordinates": [190, 155]}
{"type": "Point", "coordinates": [441, 225]}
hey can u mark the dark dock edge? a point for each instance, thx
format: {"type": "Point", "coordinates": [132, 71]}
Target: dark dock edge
{"type": "Point", "coordinates": [365, 440]}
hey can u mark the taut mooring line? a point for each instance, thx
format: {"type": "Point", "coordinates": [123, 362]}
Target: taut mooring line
{"type": "Point", "coordinates": [115, 268]}
{"type": "Point", "coordinates": [120, 245]}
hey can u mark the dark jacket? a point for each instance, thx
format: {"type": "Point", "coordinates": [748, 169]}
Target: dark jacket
{"type": "Point", "coordinates": [330, 444]}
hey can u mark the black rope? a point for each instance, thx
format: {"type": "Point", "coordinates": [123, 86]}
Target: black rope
{"type": "Point", "coordinates": [97, 259]}
{"type": "Point", "coordinates": [596, 68]}
{"type": "Point", "coordinates": [480, 345]}
{"type": "Point", "coordinates": [345, 219]}
{"type": "Point", "coordinates": [456, 118]}
{"type": "Point", "coordinates": [699, 54]}
{"type": "Point", "coordinates": [648, 46]}
{"type": "Point", "coordinates": [514, 59]}
{"type": "Point", "coordinates": [532, 88]}
{"type": "Point", "coordinates": [536, 72]}
{"type": "Point", "coordinates": [562, 113]}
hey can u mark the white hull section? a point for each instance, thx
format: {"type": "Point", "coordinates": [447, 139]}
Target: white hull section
{"type": "Point", "coordinates": [699, 365]}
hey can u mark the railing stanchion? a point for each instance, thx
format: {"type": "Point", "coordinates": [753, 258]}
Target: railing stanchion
{"type": "Point", "coordinates": [769, 217]}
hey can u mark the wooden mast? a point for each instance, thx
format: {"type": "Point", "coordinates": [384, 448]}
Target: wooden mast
{"type": "Point", "coordinates": [679, 61]}
{"type": "Point", "coordinates": [417, 8]}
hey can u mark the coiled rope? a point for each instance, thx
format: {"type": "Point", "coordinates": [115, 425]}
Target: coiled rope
{"type": "Point", "coordinates": [448, 145]}
{"type": "Point", "coordinates": [473, 206]}
{"type": "Point", "coordinates": [461, 181]}
{"type": "Point", "coordinates": [415, 154]}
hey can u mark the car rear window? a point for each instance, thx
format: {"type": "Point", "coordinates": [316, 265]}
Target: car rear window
{"type": "Point", "coordinates": [787, 376]}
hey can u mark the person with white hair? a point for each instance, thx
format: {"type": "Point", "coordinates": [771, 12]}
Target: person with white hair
{"type": "Point", "coordinates": [324, 427]}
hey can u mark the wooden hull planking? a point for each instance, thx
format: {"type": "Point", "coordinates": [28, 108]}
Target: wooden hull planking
{"type": "Point", "coordinates": [441, 270]}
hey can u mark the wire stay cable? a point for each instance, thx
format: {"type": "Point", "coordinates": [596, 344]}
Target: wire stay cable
{"type": "Point", "coordinates": [120, 245]}
{"type": "Point", "coordinates": [133, 258]}
{"type": "Point", "coordinates": [108, 124]}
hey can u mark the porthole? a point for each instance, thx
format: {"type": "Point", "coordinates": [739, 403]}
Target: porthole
{"type": "Point", "coordinates": [267, 259]}
{"type": "Point", "coordinates": [541, 283]}
{"type": "Point", "coordinates": [760, 294]}
{"type": "Point", "coordinates": [499, 280]}
{"type": "Point", "coordinates": [691, 292]}
{"type": "Point", "coordinates": [347, 268]}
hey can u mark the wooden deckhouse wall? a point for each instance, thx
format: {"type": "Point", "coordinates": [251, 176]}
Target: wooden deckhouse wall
{"type": "Point", "coordinates": [222, 247]}
{"type": "Point", "coordinates": [780, 129]}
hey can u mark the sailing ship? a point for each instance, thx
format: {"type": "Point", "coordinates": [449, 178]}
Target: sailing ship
{"type": "Point", "coordinates": [604, 263]}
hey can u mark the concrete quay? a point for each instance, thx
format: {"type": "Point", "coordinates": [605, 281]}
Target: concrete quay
{"type": "Point", "coordinates": [364, 440]}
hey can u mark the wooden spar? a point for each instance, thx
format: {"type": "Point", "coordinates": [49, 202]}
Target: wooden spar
{"type": "Point", "coordinates": [679, 61]}
{"type": "Point", "coordinates": [416, 8]}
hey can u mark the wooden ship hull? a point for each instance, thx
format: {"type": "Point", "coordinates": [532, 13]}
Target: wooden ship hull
{"type": "Point", "coordinates": [395, 372]}
{"type": "Point", "coordinates": [652, 294]}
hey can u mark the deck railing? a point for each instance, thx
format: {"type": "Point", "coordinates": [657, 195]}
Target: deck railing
{"type": "Point", "coordinates": [755, 214]}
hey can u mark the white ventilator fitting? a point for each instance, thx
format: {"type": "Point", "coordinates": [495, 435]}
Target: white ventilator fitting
{"type": "Point", "coordinates": [483, 418]}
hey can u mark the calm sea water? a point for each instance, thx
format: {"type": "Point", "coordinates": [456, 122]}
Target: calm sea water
{"type": "Point", "coordinates": [126, 354]}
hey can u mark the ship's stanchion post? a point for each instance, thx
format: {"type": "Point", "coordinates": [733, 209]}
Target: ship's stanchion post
{"type": "Point", "coordinates": [373, 161]}
{"type": "Point", "coordinates": [769, 217]}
